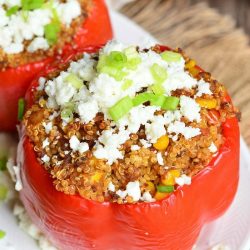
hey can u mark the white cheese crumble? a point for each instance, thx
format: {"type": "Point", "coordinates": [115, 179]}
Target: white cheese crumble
{"type": "Point", "coordinates": [135, 147]}
{"type": "Point", "coordinates": [133, 190]}
{"type": "Point", "coordinates": [15, 30]}
{"type": "Point", "coordinates": [183, 180]}
{"type": "Point", "coordinates": [45, 143]}
{"type": "Point", "coordinates": [76, 145]}
{"type": "Point", "coordinates": [212, 148]}
{"type": "Point", "coordinates": [145, 144]}
{"type": "Point", "coordinates": [111, 187]}
{"type": "Point", "coordinates": [147, 197]}
{"type": "Point", "coordinates": [203, 88]}
{"type": "Point", "coordinates": [47, 127]}
{"type": "Point", "coordinates": [190, 108]}
{"type": "Point", "coordinates": [45, 158]}
{"type": "Point", "coordinates": [160, 158]}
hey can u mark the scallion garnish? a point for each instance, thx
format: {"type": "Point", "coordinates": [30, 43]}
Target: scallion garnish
{"type": "Point", "coordinates": [117, 59]}
{"type": "Point", "coordinates": [74, 80]}
{"type": "Point", "coordinates": [170, 103]}
{"type": "Point", "coordinates": [31, 4]}
{"type": "Point", "coordinates": [165, 189]}
{"type": "Point", "coordinates": [142, 98]}
{"type": "Point", "coordinates": [158, 100]}
{"type": "Point", "coordinates": [3, 192]}
{"type": "Point", "coordinates": [21, 107]}
{"type": "Point", "coordinates": [13, 10]}
{"type": "Point", "coordinates": [158, 89]}
{"type": "Point", "coordinates": [170, 56]}
{"type": "Point", "coordinates": [51, 31]}
{"type": "Point", "coordinates": [2, 234]}
{"type": "Point", "coordinates": [159, 73]}
{"type": "Point", "coordinates": [3, 162]}
{"type": "Point", "coordinates": [67, 114]}
{"type": "Point", "coordinates": [121, 108]}
{"type": "Point", "coordinates": [127, 83]}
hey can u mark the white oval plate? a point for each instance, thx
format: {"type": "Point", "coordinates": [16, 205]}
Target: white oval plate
{"type": "Point", "coordinates": [232, 230]}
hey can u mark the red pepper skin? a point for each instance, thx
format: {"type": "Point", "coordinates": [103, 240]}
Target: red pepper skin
{"type": "Point", "coordinates": [174, 223]}
{"type": "Point", "coordinates": [96, 29]}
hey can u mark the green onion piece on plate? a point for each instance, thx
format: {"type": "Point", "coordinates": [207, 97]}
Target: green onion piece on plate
{"type": "Point", "coordinates": [3, 192]}
{"type": "Point", "coordinates": [165, 189]}
{"type": "Point", "coordinates": [121, 108]}
{"type": "Point", "coordinates": [158, 100]}
{"type": "Point", "coordinates": [159, 73]}
{"type": "Point", "coordinates": [117, 60]}
{"type": "Point", "coordinates": [2, 234]}
{"type": "Point", "coordinates": [21, 107]}
{"type": "Point", "coordinates": [13, 10]}
{"type": "Point", "coordinates": [67, 114]}
{"type": "Point", "coordinates": [158, 89]}
{"type": "Point", "coordinates": [113, 72]}
{"type": "Point", "coordinates": [3, 162]}
{"type": "Point", "coordinates": [170, 56]}
{"type": "Point", "coordinates": [142, 98]}
{"type": "Point", "coordinates": [51, 31]}
{"type": "Point", "coordinates": [74, 80]}
{"type": "Point", "coordinates": [171, 103]}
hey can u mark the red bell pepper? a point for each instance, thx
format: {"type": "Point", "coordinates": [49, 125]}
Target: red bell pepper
{"type": "Point", "coordinates": [96, 29]}
{"type": "Point", "coordinates": [174, 223]}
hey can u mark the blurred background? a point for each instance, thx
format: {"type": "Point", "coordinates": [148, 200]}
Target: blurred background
{"type": "Point", "coordinates": [216, 33]}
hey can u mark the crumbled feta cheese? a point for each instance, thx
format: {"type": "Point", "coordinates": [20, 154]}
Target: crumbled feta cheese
{"type": "Point", "coordinates": [83, 147]}
{"type": "Point", "coordinates": [48, 127]}
{"type": "Point", "coordinates": [14, 171]}
{"type": "Point", "coordinates": [145, 143]}
{"type": "Point", "coordinates": [183, 180]}
{"type": "Point", "coordinates": [45, 158]}
{"type": "Point", "coordinates": [135, 147]}
{"type": "Point", "coordinates": [45, 143]}
{"type": "Point", "coordinates": [121, 193]}
{"type": "Point", "coordinates": [41, 82]}
{"type": "Point", "coordinates": [133, 190]}
{"type": "Point", "coordinates": [87, 110]}
{"type": "Point", "coordinates": [38, 43]}
{"type": "Point", "coordinates": [160, 158]}
{"type": "Point", "coordinates": [111, 187]}
{"type": "Point", "coordinates": [212, 148]}
{"type": "Point", "coordinates": [203, 88]}
{"type": "Point", "coordinates": [147, 197]}
{"type": "Point", "coordinates": [190, 108]}
{"type": "Point", "coordinates": [180, 128]}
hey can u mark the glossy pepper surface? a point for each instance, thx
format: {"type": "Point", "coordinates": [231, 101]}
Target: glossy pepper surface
{"type": "Point", "coordinates": [96, 29]}
{"type": "Point", "coordinates": [174, 223]}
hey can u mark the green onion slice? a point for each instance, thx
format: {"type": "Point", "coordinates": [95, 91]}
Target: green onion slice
{"type": "Point", "coordinates": [3, 192]}
{"type": "Point", "coordinates": [21, 107]}
{"type": "Point", "coordinates": [121, 108]}
{"type": "Point", "coordinates": [117, 59]}
{"type": "Point", "coordinates": [127, 84]}
{"type": "Point", "coordinates": [171, 103]}
{"type": "Point", "coordinates": [3, 162]}
{"type": "Point", "coordinates": [51, 31]}
{"type": "Point", "coordinates": [67, 114]}
{"type": "Point", "coordinates": [170, 56]}
{"type": "Point", "coordinates": [74, 80]}
{"type": "Point", "coordinates": [165, 189]}
{"type": "Point", "coordinates": [142, 98]}
{"type": "Point", "coordinates": [158, 100]}
{"type": "Point", "coordinates": [31, 4]}
{"type": "Point", "coordinates": [159, 73]}
{"type": "Point", "coordinates": [13, 10]}
{"type": "Point", "coordinates": [2, 234]}
{"type": "Point", "coordinates": [158, 89]}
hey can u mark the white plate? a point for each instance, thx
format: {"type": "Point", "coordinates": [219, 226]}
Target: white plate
{"type": "Point", "coordinates": [231, 230]}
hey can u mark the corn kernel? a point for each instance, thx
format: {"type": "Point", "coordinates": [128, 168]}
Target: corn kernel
{"type": "Point", "coordinates": [190, 64]}
{"type": "Point", "coordinates": [96, 177]}
{"type": "Point", "coordinates": [159, 196]}
{"type": "Point", "coordinates": [162, 143]}
{"type": "Point", "coordinates": [207, 103]}
{"type": "Point", "coordinates": [150, 187]}
{"type": "Point", "coordinates": [194, 71]}
{"type": "Point", "coordinates": [169, 178]}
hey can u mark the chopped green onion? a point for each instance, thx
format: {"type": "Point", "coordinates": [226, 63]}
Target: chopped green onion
{"type": "Point", "coordinates": [170, 56]}
{"type": "Point", "coordinates": [2, 234]}
{"type": "Point", "coordinates": [74, 80]}
{"type": "Point", "coordinates": [113, 72]}
{"type": "Point", "coordinates": [25, 15]}
{"type": "Point", "coordinates": [31, 4]}
{"type": "Point", "coordinates": [51, 31]}
{"type": "Point", "coordinates": [127, 83]}
{"type": "Point", "coordinates": [3, 192]}
{"type": "Point", "coordinates": [159, 73]}
{"type": "Point", "coordinates": [165, 189]}
{"type": "Point", "coordinates": [158, 89]}
{"type": "Point", "coordinates": [133, 57]}
{"type": "Point", "coordinates": [117, 59]}
{"type": "Point", "coordinates": [158, 100]}
{"type": "Point", "coordinates": [101, 63]}
{"type": "Point", "coordinates": [121, 108]}
{"type": "Point", "coordinates": [3, 162]}
{"type": "Point", "coordinates": [13, 10]}
{"type": "Point", "coordinates": [67, 114]}
{"type": "Point", "coordinates": [131, 52]}
{"type": "Point", "coordinates": [21, 107]}
{"type": "Point", "coordinates": [171, 103]}
{"type": "Point", "coordinates": [133, 63]}
{"type": "Point", "coordinates": [142, 98]}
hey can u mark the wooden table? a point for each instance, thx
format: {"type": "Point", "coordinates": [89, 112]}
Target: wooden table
{"type": "Point", "coordinates": [208, 36]}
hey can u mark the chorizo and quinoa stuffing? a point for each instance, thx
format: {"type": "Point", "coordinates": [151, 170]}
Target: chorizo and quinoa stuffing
{"type": "Point", "coordinates": [31, 30]}
{"type": "Point", "coordinates": [127, 124]}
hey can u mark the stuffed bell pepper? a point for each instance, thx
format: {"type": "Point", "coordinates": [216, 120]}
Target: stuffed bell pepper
{"type": "Point", "coordinates": [127, 148]}
{"type": "Point", "coordinates": [33, 33]}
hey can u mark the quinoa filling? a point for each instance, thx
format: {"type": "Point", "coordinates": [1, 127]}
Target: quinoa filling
{"type": "Point", "coordinates": [31, 30]}
{"type": "Point", "coordinates": [127, 124]}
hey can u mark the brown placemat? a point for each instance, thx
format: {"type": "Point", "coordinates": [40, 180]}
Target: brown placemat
{"type": "Point", "coordinates": [207, 36]}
